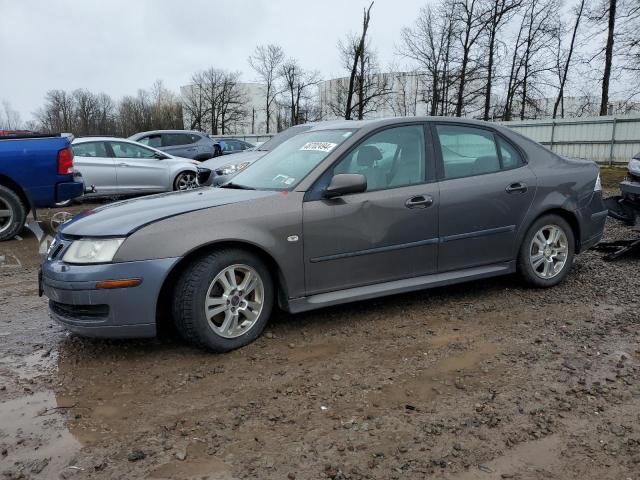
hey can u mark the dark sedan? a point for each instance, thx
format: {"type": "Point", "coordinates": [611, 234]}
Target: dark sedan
{"type": "Point", "coordinates": [345, 211]}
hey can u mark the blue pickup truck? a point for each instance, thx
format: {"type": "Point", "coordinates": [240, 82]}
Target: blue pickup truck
{"type": "Point", "coordinates": [36, 171]}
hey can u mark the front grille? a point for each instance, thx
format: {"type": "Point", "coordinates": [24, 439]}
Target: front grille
{"type": "Point", "coordinates": [79, 312]}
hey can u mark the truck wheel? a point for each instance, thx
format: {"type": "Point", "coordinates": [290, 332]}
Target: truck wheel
{"type": "Point", "coordinates": [185, 181]}
{"type": "Point", "coordinates": [547, 252]}
{"type": "Point", "coordinates": [223, 300]}
{"type": "Point", "coordinates": [12, 213]}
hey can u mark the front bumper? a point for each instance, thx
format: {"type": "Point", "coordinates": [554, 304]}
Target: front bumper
{"type": "Point", "coordinates": [629, 187]}
{"type": "Point", "coordinates": [76, 303]}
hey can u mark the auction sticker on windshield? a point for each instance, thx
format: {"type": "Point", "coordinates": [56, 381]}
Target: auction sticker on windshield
{"type": "Point", "coordinates": [319, 146]}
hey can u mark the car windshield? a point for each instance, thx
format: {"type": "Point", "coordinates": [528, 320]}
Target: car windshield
{"type": "Point", "coordinates": [285, 166]}
{"type": "Point", "coordinates": [283, 137]}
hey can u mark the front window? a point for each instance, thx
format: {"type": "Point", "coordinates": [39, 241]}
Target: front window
{"type": "Point", "coordinates": [389, 159]}
{"type": "Point", "coordinates": [286, 166]}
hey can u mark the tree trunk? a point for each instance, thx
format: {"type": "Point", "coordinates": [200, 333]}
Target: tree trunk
{"type": "Point", "coordinates": [608, 58]}
{"type": "Point", "coordinates": [487, 98]}
{"type": "Point", "coordinates": [567, 64]}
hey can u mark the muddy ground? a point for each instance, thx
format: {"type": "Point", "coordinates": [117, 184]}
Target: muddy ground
{"type": "Point", "coordinates": [478, 381]}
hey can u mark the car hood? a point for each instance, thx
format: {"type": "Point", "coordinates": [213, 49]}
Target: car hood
{"type": "Point", "coordinates": [127, 216]}
{"type": "Point", "coordinates": [240, 157]}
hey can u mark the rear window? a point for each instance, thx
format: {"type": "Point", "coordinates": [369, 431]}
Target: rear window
{"type": "Point", "coordinates": [89, 149]}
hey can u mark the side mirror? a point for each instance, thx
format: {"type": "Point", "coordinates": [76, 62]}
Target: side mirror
{"type": "Point", "coordinates": [346, 183]}
{"type": "Point", "coordinates": [159, 156]}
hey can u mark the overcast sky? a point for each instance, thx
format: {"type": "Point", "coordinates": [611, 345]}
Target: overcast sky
{"type": "Point", "coordinates": [118, 46]}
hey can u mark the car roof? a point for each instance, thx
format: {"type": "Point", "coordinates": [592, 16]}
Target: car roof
{"type": "Point", "coordinates": [101, 139]}
{"type": "Point", "coordinates": [381, 122]}
{"type": "Point", "coordinates": [151, 132]}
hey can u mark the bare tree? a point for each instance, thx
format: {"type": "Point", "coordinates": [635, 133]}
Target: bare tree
{"type": "Point", "coordinates": [266, 61]}
{"type": "Point", "coordinates": [365, 88]}
{"type": "Point", "coordinates": [563, 71]}
{"type": "Point", "coordinates": [297, 84]}
{"type": "Point", "coordinates": [429, 44]}
{"type": "Point", "coordinates": [497, 13]}
{"type": "Point", "coordinates": [609, 12]}
{"type": "Point", "coordinates": [194, 103]}
{"type": "Point", "coordinates": [9, 118]}
{"type": "Point", "coordinates": [468, 16]}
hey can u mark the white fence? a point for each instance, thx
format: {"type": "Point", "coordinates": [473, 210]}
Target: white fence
{"type": "Point", "coordinates": [603, 139]}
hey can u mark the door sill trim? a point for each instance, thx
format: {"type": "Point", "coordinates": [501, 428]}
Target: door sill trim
{"type": "Point", "coordinates": [366, 292]}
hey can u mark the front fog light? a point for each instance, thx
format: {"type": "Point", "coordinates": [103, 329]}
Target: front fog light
{"type": "Point", "coordinates": [92, 250]}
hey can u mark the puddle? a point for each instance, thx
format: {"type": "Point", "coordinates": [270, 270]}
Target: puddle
{"type": "Point", "coordinates": [32, 430]}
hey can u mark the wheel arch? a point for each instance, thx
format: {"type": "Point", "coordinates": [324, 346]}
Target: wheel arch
{"type": "Point", "coordinates": [567, 215]}
{"type": "Point", "coordinates": [163, 305]}
{"type": "Point", "coordinates": [11, 184]}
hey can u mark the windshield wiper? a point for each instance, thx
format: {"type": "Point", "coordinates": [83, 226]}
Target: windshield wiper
{"type": "Point", "coordinates": [236, 186]}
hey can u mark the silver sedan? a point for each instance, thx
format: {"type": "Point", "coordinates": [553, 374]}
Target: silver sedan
{"type": "Point", "coordinates": [117, 166]}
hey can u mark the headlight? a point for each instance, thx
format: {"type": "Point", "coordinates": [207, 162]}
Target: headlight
{"type": "Point", "coordinates": [92, 250]}
{"type": "Point", "coordinates": [232, 168]}
{"type": "Point", "coordinates": [634, 166]}
{"type": "Point", "coordinates": [598, 186]}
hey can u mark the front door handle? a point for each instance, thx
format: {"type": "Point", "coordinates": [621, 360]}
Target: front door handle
{"type": "Point", "coordinates": [419, 201]}
{"type": "Point", "coordinates": [123, 164]}
{"type": "Point", "coordinates": [517, 187]}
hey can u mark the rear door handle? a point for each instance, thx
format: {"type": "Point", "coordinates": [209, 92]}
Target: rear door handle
{"type": "Point", "coordinates": [123, 164]}
{"type": "Point", "coordinates": [419, 201]}
{"type": "Point", "coordinates": [517, 187]}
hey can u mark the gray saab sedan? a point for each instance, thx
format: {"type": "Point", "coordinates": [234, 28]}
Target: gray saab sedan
{"type": "Point", "coordinates": [343, 212]}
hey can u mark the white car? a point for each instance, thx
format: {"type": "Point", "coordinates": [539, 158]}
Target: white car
{"type": "Point", "coordinates": [115, 166]}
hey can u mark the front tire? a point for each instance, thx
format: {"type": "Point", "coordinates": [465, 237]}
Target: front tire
{"type": "Point", "coordinates": [13, 214]}
{"type": "Point", "coordinates": [185, 181]}
{"type": "Point", "coordinates": [223, 300]}
{"type": "Point", "coordinates": [547, 252]}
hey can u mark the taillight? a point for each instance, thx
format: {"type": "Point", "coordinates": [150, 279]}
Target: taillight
{"type": "Point", "coordinates": [65, 161]}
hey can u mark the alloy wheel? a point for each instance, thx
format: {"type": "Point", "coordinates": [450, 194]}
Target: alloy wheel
{"type": "Point", "coordinates": [186, 181]}
{"type": "Point", "coordinates": [234, 301]}
{"type": "Point", "coordinates": [549, 251]}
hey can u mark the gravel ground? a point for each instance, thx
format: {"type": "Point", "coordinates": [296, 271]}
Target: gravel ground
{"type": "Point", "coordinates": [482, 380]}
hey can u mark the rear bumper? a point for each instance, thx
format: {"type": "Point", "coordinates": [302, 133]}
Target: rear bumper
{"type": "Point", "coordinates": [69, 190]}
{"type": "Point", "coordinates": [76, 304]}
{"type": "Point", "coordinates": [591, 219]}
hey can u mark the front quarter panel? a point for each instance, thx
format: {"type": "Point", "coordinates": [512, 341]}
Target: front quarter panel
{"type": "Point", "coordinates": [266, 223]}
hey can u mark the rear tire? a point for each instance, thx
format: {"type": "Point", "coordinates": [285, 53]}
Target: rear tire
{"type": "Point", "coordinates": [547, 252]}
{"type": "Point", "coordinates": [13, 213]}
{"type": "Point", "coordinates": [223, 300]}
